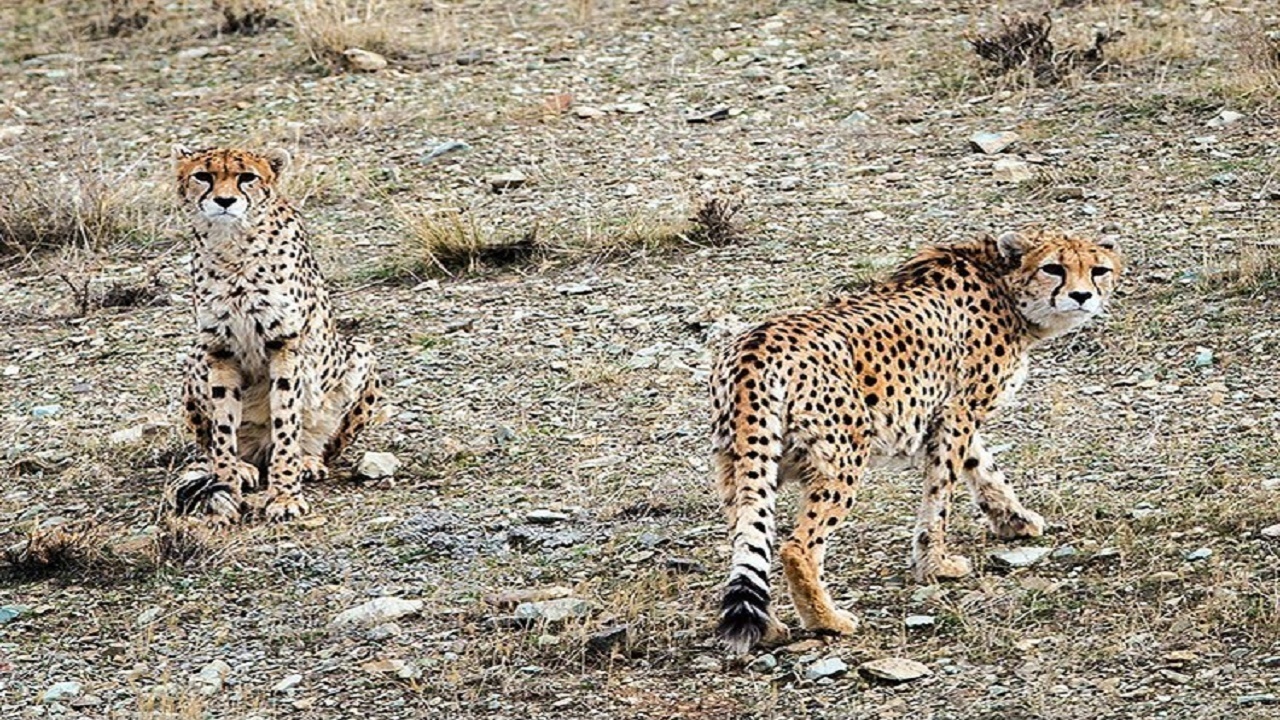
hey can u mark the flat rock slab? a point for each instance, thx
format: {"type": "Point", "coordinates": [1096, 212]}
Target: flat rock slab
{"type": "Point", "coordinates": [376, 612]}
{"type": "Point", "coordinates": [553, 611]}
{"type": "Point", "coordinates": [826, 667]}
{"type": "Point", "coordinates": [990, 143]}
{"type": "Point", "coordinates": [1020, 557]}
{"type": "Point", "coordinates": [894, 670]}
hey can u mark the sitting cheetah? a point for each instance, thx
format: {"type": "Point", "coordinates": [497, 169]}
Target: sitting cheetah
{"type": "Point", "coordinates": [272, 392]}
{"type": "Point", "coordinates": [907, 369]}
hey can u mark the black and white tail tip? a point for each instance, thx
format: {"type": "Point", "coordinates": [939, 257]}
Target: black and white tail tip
{"type": "Point", "coordinates": [744, 615]}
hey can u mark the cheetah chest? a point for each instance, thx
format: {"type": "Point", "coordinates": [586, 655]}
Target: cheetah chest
{"type": "Point", "coordinates": [241, 313]}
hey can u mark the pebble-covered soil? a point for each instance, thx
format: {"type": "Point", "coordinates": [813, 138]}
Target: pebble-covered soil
{"type": "Point", "coordinates": [550, 546]}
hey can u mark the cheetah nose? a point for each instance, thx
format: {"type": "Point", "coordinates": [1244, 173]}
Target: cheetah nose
{"type": "Point", "coordinates": [1080, 296]}
{"type": "Point", "coordinates": [225, 202]}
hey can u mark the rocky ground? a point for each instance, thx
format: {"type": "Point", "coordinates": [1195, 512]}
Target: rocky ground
{"type": "Point", "coordinates": [550, 545]}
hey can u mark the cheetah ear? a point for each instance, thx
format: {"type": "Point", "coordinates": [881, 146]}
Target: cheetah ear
{"type": "Point", "coordinates": [181, 152]}
{"type": "Point", "coordinates": [1110, 242]}
{"type": "Point", "coordinates": [1012, 246]}
{"type": "Point", "coordinates": [278, 159]}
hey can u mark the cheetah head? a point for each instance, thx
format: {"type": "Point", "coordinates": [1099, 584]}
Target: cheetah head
{"type": "Point", "coordinates": [226, 186]}
{"type": "Point", "coordinates": [1059, 281]}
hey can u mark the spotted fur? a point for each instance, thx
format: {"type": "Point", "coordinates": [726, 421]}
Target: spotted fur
{"type": "Point", "coordinates": [908, 369]}
{"type": "Point", "coordinates": [272, 392]}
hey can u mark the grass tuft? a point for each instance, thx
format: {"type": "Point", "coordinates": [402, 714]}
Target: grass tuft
{"type": "Point", "coordinates": [453, 241]}
{"type": "Point", "coordinates": [66, 547]}
{"type": "Point", "coordinates": [245, 17]}
{"type": "Point", "coordinates": [122, 18]}
{"type": "Point", "coordinates": [1024, 45]}
{"type": "Point", "coordinates": [183, 542]}
{"type": "Point", "coordinates": [328, 28]}
{"type": "Point", "coordinates": [717, 222]}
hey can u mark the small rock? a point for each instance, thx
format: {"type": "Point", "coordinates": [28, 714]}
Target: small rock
{"type": "Point", "coordinates": [685, 565]}
{"type": "Point", "coordinates": [605, 640]}
{"type": "Point", "coordinates": [386, 665]}
{"type": "Point", "coordinates": [376, 612]}
{"type": "Point", "coordinates": [553, 611]}
{"type": "Point", "coordinates": [857, 120]}
{"type": "Point", "coordinates": [9, 132]}
{"type": "Point", "coordinates": [1067, 192]}
{"type": "Point", "coordinates": [1225, 118]}
{"type": "Point", "coordinates": [704, 663]}
{"type": "Point", "coordinates": [1259, 699]}
{"type": "Point", "coordinates": [587, 113]}
{"type": "Point", "coordinates": [714, 115]}
{"type": "Point", "coordinates": [1271, 531]}
{"type": "Point", "coordinates": [990, 143]}
{"type": "Point", "coordinates": [575, 289]}
{"type": "Point", "coordinates": [1163, 576]}
{"type": "Point", "coordinates": [384, 631]}
{"type": "Point", "coordinates": [1199, 554]}
{"type": "Point", "coordinates": [632, 108]}
{"type": "Point", "coordinates": [11, 612]}
{"type": "Point", "coordinates": [363, 60]}
{"type": "Point", "coordinates": [86, 701]}
{"type": "Point", "coordinates": [288, 683]}
{"type": "Point", "coordinates": [45, 411]}
{"type": "Point", "coordinates": [801, 647]}
{"type": "Point", "coordinates": [826, 667]}
{"type": "Point", "coordinates": [764, 664]}
{"type": "Point", "coordinates": [516, 597]}
{"type": "Point", "coordinates": [377, 465]}
{"type": "Point", "coordinates": [875, 216]}
{"type": "Point", "coordinates": [509, 180]}
{"type": "Point", "coordinates": [61, 691]}
{"type": "Point", "coordinates": [919, 621]}
{"type": "Point", "coordinates": [1011, 170]}
{"type": "Point", "coordinates": [788, 183]}
{"type": "Point", "coordinates": [894, 669]}
{"type": "Point", "coordinates": [209, 679]}
{"type": "Point", "coordinates": [1065, 552]}
{"type": "Point", "coordinates": [1174, 676]}
{"type": "Point", "coordinates": [194, 53]}
{"type": "Point", "coordinates": [1204, 357]}
{"type": "Point", "coordinates": [447, 147]}
{"type": "Point", "coordinates": [1020, 557]}
{"type": "Point", "coordinates": [545, 517]}
{"type": "Point", "coordinates": [151, 614]}
{"type": "Point", "coordinates": [503, 435]}
{"type": "Point", "coordinates": [773, 92]}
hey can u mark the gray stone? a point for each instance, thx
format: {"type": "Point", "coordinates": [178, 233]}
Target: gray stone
{"type": "Point", "coordinates": [288, 683]}
{"type": "Point", "coordinates": [1225, 118]}
{"type": "Point", "coordinates": [587, 113]}
{"type": "Point", "coordinates": [1011, 170]}
{"type": "Point", "coordinates": [1020, 557]}
{"type": "Point", "coordinates": [363, 60]}
{"type": "Point", "coordinates": [546, 517]}
{"type": "Point", "coordinates": [377, 465]}
{"type": "Point", "coordinates": [45, 411]}
{"type": "Point", "coordinates": [606, 640]}
{"type": "Point", "coordinates": [919, 621]}
{"type": "Point", "coordinates": [376, 612]}
{"type": "Point", "coordinates": [447, 147]}
{"type": "Point", "coordinates": [575, 289]}
{"type": "Point", "coordinates": [509, 180]}
{"type": "Point", "coordinates": [990, 143]}
{"type": "Point", "coordinates": [1065, 552]}
{"type": "Point", "coordinates": [826, 667]}
{"type": "Point", "coordinates": [894, 670]}
{"type": "Point", "coordinates": [764, 664]}
{"type": "Point", "coordinates": [208, 681]}
{"type": "Point", "coordinates": [704, 663]}
{"type": "Point", "coordinates": [383, 631]}
{"type": "Point", "coordinates": [1199, 554]}
{"type": "Point", "coordinates": [1271, 531]}
{"type": "Point", "coordinates": [11, 612]}
{"type": "Point", "coordinates": [1258, 699]}
{"type": "Point", "coordinates": [553, 611]}
{"type": "Point", "coordinates": [61, 691]}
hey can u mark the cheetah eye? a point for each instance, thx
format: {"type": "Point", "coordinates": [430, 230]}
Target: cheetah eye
{"type": "Point", "coordinates": [204, 177]}
{"type": "Point", "coordinates": [1100, 271]}
{"type": "Point", "coordinates": [247, 177]}
{"type": "Point", "coordinates": [1054, 269]}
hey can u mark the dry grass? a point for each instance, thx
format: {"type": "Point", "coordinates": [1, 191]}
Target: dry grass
{"type": "Point", "coordinates": [184, 543]}
{"type": "Point", "coordinates": [328, 28]}
{"type": "Point", "coordinates": [121, 18]}
{"type": "Point", "coordinates": [82, 210]}
{"type": "Point", "coordinates": [717, 222]}
{"type": "Point", "coordinates": [455, 241]}
{"type": "Point", "coordinates": [245, 17]}
{"type": "Point", "coordinates": [1023, 46]}
{"type": "Point", "coordinates": [68, 547]}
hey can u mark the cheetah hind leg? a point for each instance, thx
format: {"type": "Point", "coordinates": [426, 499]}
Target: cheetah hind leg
{"type": "Point", "coordinates": [364, 376]}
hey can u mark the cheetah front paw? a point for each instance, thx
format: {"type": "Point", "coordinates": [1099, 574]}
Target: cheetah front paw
{"type": "Point", "coordinates": [201, 493]}
{"type": "Point", "coordinates": [313, 469]}
{"type": "Point", "coordinates": [942, 567]}
{"type": "Point", "coordinates": [286, 506]}
{"type": "Point", "coordinates": [1023, 523]}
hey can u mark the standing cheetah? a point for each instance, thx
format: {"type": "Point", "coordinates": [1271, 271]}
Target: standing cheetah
{"type": "Point", "coordinates": [272, 392]}
{"type": "Point", "coordinates": [907, 369]}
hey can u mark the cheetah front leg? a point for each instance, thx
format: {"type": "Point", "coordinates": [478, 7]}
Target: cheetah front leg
{"type": "Point", "coordinates": [362, 378]}
{"type": "Point", "coordinates": [946, 445]}
{"type": "Point", "coordinates": [284, 473]}
{"type": "Point", "coordinates": [995, 497]}
{"type": "Point", "coordinates": [212, 397]}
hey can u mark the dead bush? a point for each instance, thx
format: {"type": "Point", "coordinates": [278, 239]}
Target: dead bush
{"type": "Point", "coordinates": [716, 221]}
{"type": "Point", "coordinates": [245, 17]}
{"type": "Point", "coordinates": [82, 210]}
{"type": "Point", "coordinates": [78, 546]}
{"type": "Point", "coordinates": [328, 28]}
{"type": "Point", "coordinates": [454, 241]}
{"type": "Point", "coordinates": [1024, 45]}
{"type": "Point", "coordinates": [125, 17]}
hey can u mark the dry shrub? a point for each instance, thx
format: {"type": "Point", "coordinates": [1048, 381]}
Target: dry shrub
{"type": "Point", "coordinates": [1024, 45]}
{"type": "Point", "coordinates": [454, 241]}
{"type": "Point", "coordinates": [84, 210]}
{"type": "Point", "coordinates": [328, 28]}
{"type": "Point", "coordinates": [245, 17]}
{"type": "Point", "coordinates": [124, 17]}
{"type": "Point", "coordinates": [184, 542]}
{"type": "Point", "coordinates": [67, 547]}
{"type": "Point", "coordinates": [716, 221]}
